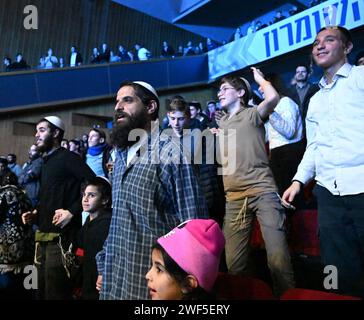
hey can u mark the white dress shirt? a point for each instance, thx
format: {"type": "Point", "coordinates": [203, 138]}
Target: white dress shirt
{"type": "Point", "coordinates": [143, 54]}
{"type": "Point", "coordinates": [284, 125]}
{"type": "Point", "coordinates": [73, 59]}
{"type": "Point", "coordinates": [335, 134]}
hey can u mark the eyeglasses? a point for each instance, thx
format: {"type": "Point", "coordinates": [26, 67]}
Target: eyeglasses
{"type": "Point", "coordinates": [222, 90]}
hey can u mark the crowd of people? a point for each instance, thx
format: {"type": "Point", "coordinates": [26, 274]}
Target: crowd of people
{"type": "Point", "coordinates": [279, 15]}
{"type": "Point", "coordinates": [105, 54]}
{"type": "Point", "coordinates": [148, 213]}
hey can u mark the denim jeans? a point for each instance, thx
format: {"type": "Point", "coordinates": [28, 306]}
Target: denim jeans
{"type": "Point", "coordinates": [53, 283]}
{"type": "Point", "coordinates": [237, 230]}
{"type": "Point", "coordinates": [341, 234]}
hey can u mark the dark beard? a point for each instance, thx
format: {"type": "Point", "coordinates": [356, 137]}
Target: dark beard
{"type": "Point", "coordinates": [47, 145]}
{"type": "Point", "coordinates": [119, 136]}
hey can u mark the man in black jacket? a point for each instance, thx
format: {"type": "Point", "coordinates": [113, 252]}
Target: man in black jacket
{"type": "Point", "coordinates": [75, 58]}
{"type": "Point", "coordinates": [58, 214]}
{"type": "Point", "coordinates": [302, 91]}
{"type": "Point", "coordinates": [20, 63]}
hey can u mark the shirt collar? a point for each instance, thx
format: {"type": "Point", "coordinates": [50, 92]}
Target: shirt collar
{"type": "Point", "coordinates": [302, 87]}
{"type": "Point", "coordinates": [134, 149]}
{"type": "Point", "coordinates": [241, 109]}
{"type": "Point", "coordinates": [342, 72]}
{"type": "Point", "coordinates": [46, 156]}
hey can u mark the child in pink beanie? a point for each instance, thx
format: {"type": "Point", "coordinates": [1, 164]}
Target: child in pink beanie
{"type": "Point", "coordinates": [185, 261]}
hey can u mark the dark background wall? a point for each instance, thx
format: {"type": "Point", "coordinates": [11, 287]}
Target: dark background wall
{"type": "Point", "coordinates": [84, 23]}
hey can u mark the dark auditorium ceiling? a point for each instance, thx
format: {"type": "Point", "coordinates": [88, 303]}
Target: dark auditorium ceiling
{"type": "Point", "coordinates": [216, 19]}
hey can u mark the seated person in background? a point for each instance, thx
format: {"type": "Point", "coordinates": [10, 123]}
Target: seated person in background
{"type": "Point", "coordinates": [200, 49]}
{"type": "Point", "coordinates": [20, 63]}
{"type": "Point", "coordinates": [50, 61]}
{"type": "Point", "coordinates": [7, 65]}
{"type": "Point", "coordinates": [114, 58]}
{"type": "Point", "coordinates": [65, 144]}
{"type": "Point", "coordinates": [98, 152]}
{"type": "Point", "coordinates": [75, 147]}
{"type": "Point", "coordinates": [251, 28]}
{"type": "Point", "coordinates": [13, 166]}
{"type": "Point", "coordinates": [142, 53]}
{"type": "Point", "coordinates": [95, 56]}
{"type": "Point", "coordinates": [210, 112]}
{"type": "Point", "coordinates": [96, 200]}
{"type": "Point", "coordinates": [180, 51]}
{"type": "Point", "coordinates": [278, 16]}
{"type": "Point", "coordinates": [104, 54]}
{"type": "Point", "coordinates": [167, 50]}
{"type": "Point", "coordinates": [302, 91]}
{"type": "Point", "coordinates": [196, 114]}
{"type": "Point", "coordinates": [165, 121]}
{"type": "Point", "coordinates": [189, 50]}
{"type": "Point", "coordinates": [293, 10]}
{"type": "Point", "coordinates": [61, 63]}
{"type": "Point", "coordinates": [185, 262]}
{"type": "Point", "coordinates": [41, 64]}
{"type": "Point", "coordinates": [124, 54]}
{"type": "Point", "coordinates": [84, 140]}
{"type": "Point", "coordinates": [260, 25]}
{"type": "Point", "coordinates": [75, 58]}
{"type": "Point", "coordinates": [238, 34]}
{"type": "Point", "coordinates": [210, 45]}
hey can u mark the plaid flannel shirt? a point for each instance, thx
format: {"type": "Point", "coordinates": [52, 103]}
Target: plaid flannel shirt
{"type": "Point", "coordinates": [149, 200]}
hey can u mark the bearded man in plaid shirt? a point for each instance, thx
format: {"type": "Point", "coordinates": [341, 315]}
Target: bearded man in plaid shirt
{"type": "Point", "coordinates": [154, 190]}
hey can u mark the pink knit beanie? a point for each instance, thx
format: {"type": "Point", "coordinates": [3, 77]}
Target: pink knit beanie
{"type": "Point", "coordinates": [196, 246]}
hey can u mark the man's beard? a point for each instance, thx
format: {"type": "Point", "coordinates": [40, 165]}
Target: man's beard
{"type": "Point", "coordinates": [46, 146]}
{"type": "Point", "coordinates": [119, 136]}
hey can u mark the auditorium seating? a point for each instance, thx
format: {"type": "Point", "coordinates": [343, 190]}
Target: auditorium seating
{"type": "Point", "coordinates": [303, 234]}
{"type": "Point", "coordinates": [237, 287]}
{"type": "Point", "coordinates": [307, 294]}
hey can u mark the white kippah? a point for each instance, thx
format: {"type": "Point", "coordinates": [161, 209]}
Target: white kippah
{"type": "Point", "coordinates": [104, 178]}
{"type": "Point", "coordinates": [248, 87]}
{"type": "Point", "coordinates": [56, 122]}
{"type": "Point", "coordinates": [148, 87]}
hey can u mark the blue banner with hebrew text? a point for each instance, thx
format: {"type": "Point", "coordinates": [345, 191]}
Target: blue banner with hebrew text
{"type": "Point", "coordinates": [284, 36]}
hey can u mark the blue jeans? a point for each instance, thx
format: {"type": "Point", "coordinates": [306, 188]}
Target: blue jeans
{"type": "Point", "coordinates": [237, 230]}
{"type": "Point", "coordinates": [341, 233]}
